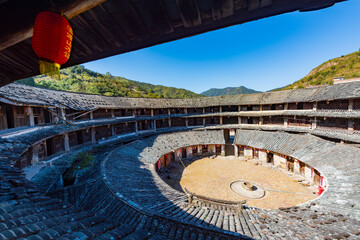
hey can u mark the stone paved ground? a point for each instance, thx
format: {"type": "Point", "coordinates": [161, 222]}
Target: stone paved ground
{"type": "Point", "coordinates": [211, 178]}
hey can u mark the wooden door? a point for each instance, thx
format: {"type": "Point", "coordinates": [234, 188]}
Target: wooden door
{"type": "Point", "coordinates": [317, 177]}
{"type": "Point", "coordinates": [270, 157]}
{"type": "Point", "coordinates": [218, 149]}
{"type": "Point", "coordinates": [241, 151]}
{"type": "Point", "coordinates": [302, 168]}
{"type": "Point", "coordinates": [256, 153]}
{"type": "Point", "coordinates": [290, 165]}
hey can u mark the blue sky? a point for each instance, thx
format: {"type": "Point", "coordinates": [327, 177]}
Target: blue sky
{"type": "Point", "coordinates": [261, 55]}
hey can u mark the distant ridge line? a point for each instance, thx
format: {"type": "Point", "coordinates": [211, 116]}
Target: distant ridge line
{"type": "Point", "coordinates": [213, 92]}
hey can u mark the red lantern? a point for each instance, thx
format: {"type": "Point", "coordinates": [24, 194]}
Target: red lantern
{"type": "Point", "coordinates": [320, 190]}
{"type": "Point", "coordinates": [52, 39]}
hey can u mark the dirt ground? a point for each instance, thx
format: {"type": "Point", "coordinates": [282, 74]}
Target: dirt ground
{"type": "Point", "coordinates": [212, 177]}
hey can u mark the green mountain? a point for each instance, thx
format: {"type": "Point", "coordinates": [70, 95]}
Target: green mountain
{"type": "Point", "coordinates": [80, 79]}
{"type": "Point", "coordinates": [345, 66]}
{"type": "Point", "coordinates": [212, 92]}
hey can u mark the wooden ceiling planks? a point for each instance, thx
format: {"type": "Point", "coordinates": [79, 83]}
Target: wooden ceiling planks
{"type": "Point", "coordinates": [19, 60]}
{"type": "Point", "coordinates": [222, 9]}
{"type": "Point", "coordinates": [189, 12]}
{"type": "Point", "coordinates": [255, 4]}
{"type": "Point", "coordinates": [23, 58]}
{"type": "Point", "coordinates": [83, 28]}
{"type": "Point", "coordinates": [98, 39]}
{"type": "Point", "coordinates": [240, 4]}
{"type": "Point", "coordinates": [107, 35]}
{"type": "Point", "coordinates": [154, 16]}
{"type": "Point", "coordinates": [118, 26]}
{"type": "Point", "coordinates": [205, 8]}
{"type": "Point", "coordinates": [116, 31]}
{"type": "Point", "coordinates": [173, 13]}
{"type": "Point", "coordinates": [79, 49]}
{"type": "Point", "coordinates": [128, 20]}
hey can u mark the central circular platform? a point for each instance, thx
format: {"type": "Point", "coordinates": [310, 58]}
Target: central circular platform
{"type": "Point", "coordinates": [247, 189]}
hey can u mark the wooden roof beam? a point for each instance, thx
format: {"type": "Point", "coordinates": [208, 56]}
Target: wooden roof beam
{"type": "Point", "coordinates": [20, 9]}
{"type": "Point", "coordinates": [222, 8]}
{"type": "Point", "coordinates": [189, 12]}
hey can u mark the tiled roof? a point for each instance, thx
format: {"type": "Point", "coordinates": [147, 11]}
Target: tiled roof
{"type": "Point", "coordinates": [38, 96]}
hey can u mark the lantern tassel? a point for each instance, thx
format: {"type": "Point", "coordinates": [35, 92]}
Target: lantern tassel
{"type": "Point", "coordinates": [50, 69]}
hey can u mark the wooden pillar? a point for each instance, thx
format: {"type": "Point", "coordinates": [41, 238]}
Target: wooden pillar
{"type": "Point", "coordinates": [152, 112]}
{"type": "Point", "coordinates": [186, 122]}
{"type": "Point", "coordinates": [309, 174]}
{"type": "Point", "coordinates": [204, 121]}
{"type": "Point", "coordinates": [296, 166]}
{"type": "Point", "coordinates": [315, 106]}
{"type": "Point", "coordinates": [136, 127]}
{"type": "Point", "coordinates": [285, 121]}
{"type": "Point", "coordinates": [261, 121]}
{"type": "Point", "coordinates": [3, 119]}
{"type": "Point", "coordinates": [286, 106]}
{"type": "Point", "coordinates": [35, 154]}
{"type": "Point", "coordinates": [239, 120]}
{"type": "Point", "coordinates": [351, 104]}
{"type": "Point", "coordinates": [66, 142]}
{"type": "Point", "coordinates": [112, 113]}
{"type": "Point", "coordinates": [351, 124]}
{"type": "Point", "coordinates": [62, 114]}
{"type": "Point", "coordinates": [314, 123]}
{"type": "Point", "coordinates": [221, 119]}
{"type": "Point", "coordinates": [169, 111]}
{"type": "Point", "coordinates": [210, 148]}
{"type": "Point", "coordinates": [91, 115]}
{"type": "Point", "coordinates": [31, 117]}
{"type": "Point", "coordinates": [93, 137]}
{"type": "Point", "coordinates": [154, 124]}
{"type": "Point", "coordinates": [169, 121]}
{"type": "Point", "coordinates": [113, 133]}
{"type": "Point", "coordinates": [223, 150]}
{"type": "Point", "coordinates": [189, 152]}
{"type": "Point", "coordinates": [200, 150]}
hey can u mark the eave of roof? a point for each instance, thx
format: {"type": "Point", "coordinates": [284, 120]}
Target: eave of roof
{"type": "Point", "coordinates": [35, 96]}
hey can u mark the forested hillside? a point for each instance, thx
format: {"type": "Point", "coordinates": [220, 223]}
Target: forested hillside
{"type": "Point", "coordinates": [80, 79]}
{"type": "Point", "coordinates": [345, 66]}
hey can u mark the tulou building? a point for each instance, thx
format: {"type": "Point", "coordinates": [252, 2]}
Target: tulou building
{"type": "Point", "coordinates": [81, 166]}
{"type": "Point", "coordinates": [312, 133]}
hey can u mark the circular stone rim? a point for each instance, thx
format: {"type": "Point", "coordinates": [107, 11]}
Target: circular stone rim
{"type": "Point", "coordinates": [260, 190]}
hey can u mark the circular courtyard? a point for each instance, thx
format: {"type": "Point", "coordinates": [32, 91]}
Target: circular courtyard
{"type": "Point", "coordinates": [233, 179]}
